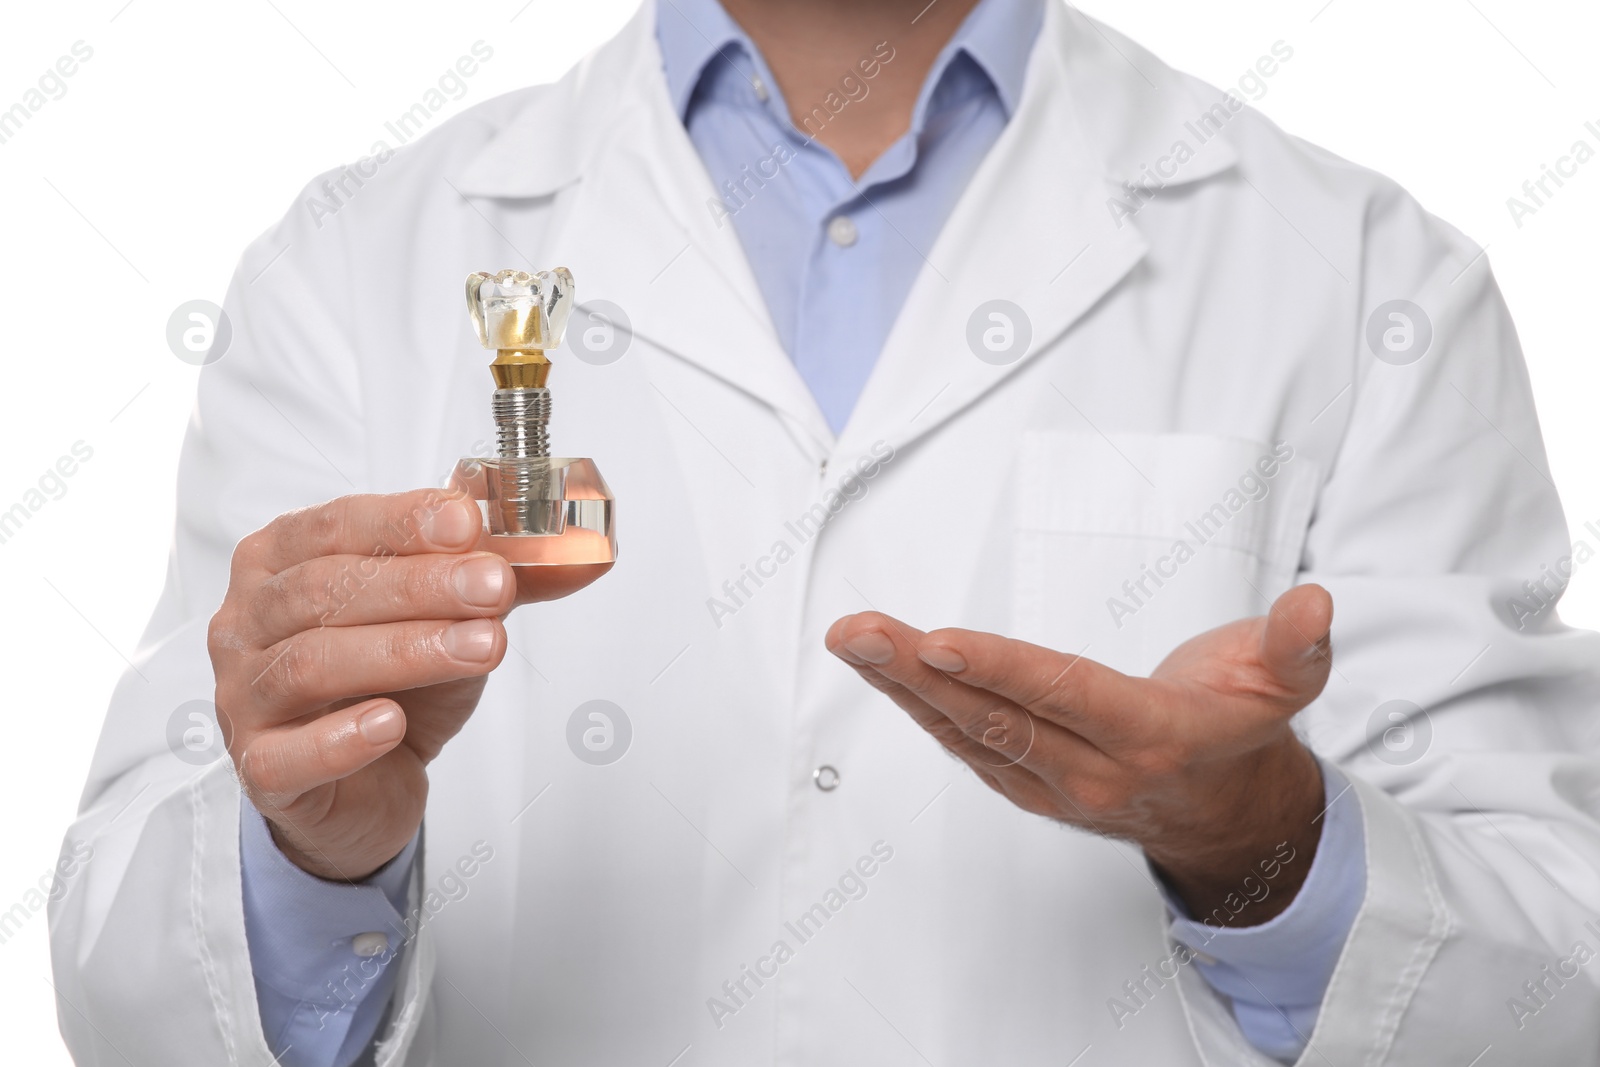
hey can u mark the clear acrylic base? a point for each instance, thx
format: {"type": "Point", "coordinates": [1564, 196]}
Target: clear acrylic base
{"type": "Point", "coordinates": [552, 519]}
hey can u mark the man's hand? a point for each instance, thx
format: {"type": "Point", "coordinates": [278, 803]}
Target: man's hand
{"type": "Point", "coordinates": [354, 641]}
{"type": "Point", "coordinates": [1197, 763]}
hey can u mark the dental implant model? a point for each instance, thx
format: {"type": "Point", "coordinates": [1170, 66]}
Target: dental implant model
{"type": "Point", "coordinates": [552, 519]}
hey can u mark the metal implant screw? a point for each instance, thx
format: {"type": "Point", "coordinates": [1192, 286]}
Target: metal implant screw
{"type": "Point", "coordinates": [522, 423]}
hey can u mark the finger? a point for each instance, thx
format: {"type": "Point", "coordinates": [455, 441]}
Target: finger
{"type": "Point", "coordinates": [1087, 698]}
{"type": "Point", "coordinates": [1003, 732]}
{"type": "Point", "coordinates": [997, 770]}
{"type": "Point", "coordinates": [925, 715]}
{"type": "Point", "coordinates": [281, 764]}
{"type": "Point", "coordinates": [882, 651]}
{"type": "Point", "coordinates": [862, 638]}
{"type": "Point", "coordinates": [361, 590]}
{"type": "Point", "coordinates": [1295, 644]}
{"type": "Point", "coordinates": [318, 667]}
{"type": "Point", "coordinates": [1031, 788]}
{"type": "Point", "coordinates": [423, 520]}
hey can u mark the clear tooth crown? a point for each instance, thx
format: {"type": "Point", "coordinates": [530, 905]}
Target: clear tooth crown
{"type": "Point", "coordinates": [515, 311]}
{"type": "Point", "coordinates": [539, 510]}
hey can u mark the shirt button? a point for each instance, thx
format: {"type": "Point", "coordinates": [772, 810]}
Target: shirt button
{"type": "Point", "coordinates": [370, 944]}
{"type": "Point", "coordinates": [826, 778]}
{"type": "Point", "coordinates": [842, 232]}
{"type": "Point", "coordinates": [760, 87]}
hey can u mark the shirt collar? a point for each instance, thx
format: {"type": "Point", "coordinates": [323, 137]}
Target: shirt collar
{"type": "Point", "coordinates": [692, 34]}
{"type": "Point", "coordinates": [998, 35]}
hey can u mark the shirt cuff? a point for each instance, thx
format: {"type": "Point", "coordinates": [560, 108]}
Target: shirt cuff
{"type": "Point", "coordinates": [1276, 973]}
{"type": "Point", "coordinates": [318, 949]}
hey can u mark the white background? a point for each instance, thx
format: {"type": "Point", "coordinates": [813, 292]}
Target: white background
{"type": "Point", "coordinates": [195, 124]}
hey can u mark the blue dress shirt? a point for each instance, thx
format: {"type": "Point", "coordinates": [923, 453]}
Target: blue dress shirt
{"type": "Point", "coordinates": [835, 259]}
{"type": "Point", "coordinates": [324, 955]}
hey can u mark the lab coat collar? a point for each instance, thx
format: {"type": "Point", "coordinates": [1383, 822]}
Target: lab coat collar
{"type": "Point", "coordinates": [1033, 227]}
{"type": "Point", "coordinates": [1131, 106]}
{"type": "Point", "coordinates": [633, 221]}
{"type": "Point", "coordinates": [550, 141]}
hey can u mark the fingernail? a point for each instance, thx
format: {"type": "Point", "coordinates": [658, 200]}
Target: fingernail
{"type": "Point", "coordinates": [480, 582]}
{"type": "Point", "coordinates": [871, 646]}
{"type": "Point", "coordinates": [471, 641]}
{"type": "Point", "coordinates": [942, 659]}
{"type": "Point", "coordinates": [381, 725]}
{"type": "Point", "coordinates": [454, 522]}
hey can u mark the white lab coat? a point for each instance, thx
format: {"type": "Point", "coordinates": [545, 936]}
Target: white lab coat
{"type": "Point", "coordinates": [1168, 354]}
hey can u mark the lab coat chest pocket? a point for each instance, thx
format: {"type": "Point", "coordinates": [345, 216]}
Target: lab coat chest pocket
{"type": "Point", "coordinates": [1127, 545]}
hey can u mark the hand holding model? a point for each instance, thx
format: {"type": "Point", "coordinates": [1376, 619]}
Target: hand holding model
{"type": "Point", "coordinates": [356, 636]}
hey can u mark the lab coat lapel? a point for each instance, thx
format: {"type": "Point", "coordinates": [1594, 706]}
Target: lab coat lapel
{"type": "Point", "coordinates": [637, 229]}
{"type": "Point", "coordinates": [1034, 228]}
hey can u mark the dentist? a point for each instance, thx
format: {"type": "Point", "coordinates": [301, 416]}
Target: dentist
{"type": "Point", "coordinates": [972, 385]}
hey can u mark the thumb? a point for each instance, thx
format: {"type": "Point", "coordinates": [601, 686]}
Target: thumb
{"type": "Point", "coordinates": [1295, 649]}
